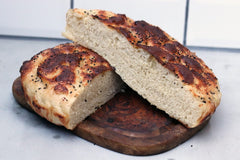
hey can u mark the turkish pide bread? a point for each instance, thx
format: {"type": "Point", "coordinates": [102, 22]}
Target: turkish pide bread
{"type": "Point", "coordinates": [67, 83]}
{"type": "Point", "coordinates": [151, 62]}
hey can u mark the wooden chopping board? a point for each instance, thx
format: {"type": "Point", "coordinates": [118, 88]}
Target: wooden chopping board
{"type": "Point", "coordinates": [127, 124]}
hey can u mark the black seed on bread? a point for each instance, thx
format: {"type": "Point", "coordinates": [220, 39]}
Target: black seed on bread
{"type": "Point", "coordinates": [62, 84]}
{"type": "Point", "coordinates": [151, 62]}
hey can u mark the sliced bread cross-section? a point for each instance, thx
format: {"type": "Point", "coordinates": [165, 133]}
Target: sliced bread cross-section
{"type": "Point", "coordinates": [67, 83]}
{"type": "Point", "coordinates": [151, 62]}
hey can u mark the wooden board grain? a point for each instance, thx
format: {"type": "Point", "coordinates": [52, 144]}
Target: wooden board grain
{"type": "Point", "coordinates": [128, 124]}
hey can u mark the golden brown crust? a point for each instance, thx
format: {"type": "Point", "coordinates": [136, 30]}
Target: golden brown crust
{"type": "Point", "coordinates": [60, 63]}
{"type": "Point", "coordinates": [190, 69]}
{"type": "Point", "coordinates": [53, 79]}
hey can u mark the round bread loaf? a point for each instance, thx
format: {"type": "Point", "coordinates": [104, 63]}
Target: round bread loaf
{"type": "Point", "coordinates": [67, 83]}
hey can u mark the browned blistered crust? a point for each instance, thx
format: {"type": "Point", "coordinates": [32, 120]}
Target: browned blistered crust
{"type": "Point", "coordinates": [61, 70]}
{"type": "Point", "coordinates": [168, 52]}
{"type": "Point", "coordinates": [61, 63]}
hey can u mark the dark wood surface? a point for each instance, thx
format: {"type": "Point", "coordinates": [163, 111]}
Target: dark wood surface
{"type": "Point", "coordinates": [128, 124]}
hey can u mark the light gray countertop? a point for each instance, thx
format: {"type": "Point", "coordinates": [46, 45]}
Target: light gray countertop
{"type": "Point", "coordinates": [26, 136]}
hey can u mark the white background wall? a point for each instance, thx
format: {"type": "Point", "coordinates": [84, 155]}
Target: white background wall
{"type": "Point", "coordinates": [212, 23]}
{"type": "Point", "coordinates": [41, 18]}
